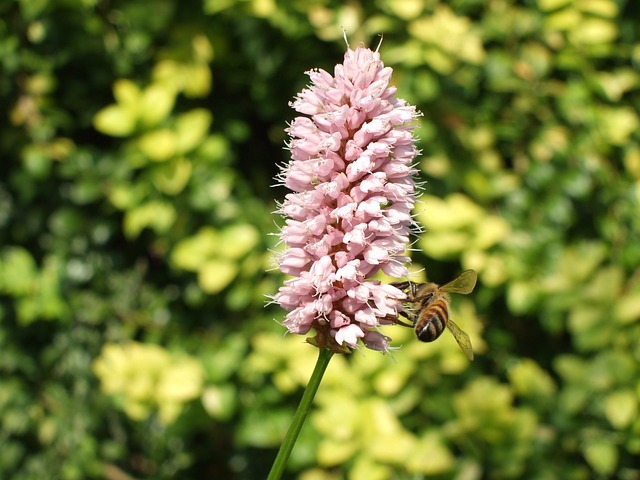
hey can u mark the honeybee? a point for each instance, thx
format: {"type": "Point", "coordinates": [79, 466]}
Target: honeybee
{"type": "Point", "coordinates": [427, 308]}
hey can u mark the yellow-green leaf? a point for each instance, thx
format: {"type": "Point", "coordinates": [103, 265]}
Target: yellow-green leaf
{"type": "Point", "coordinates": [19, 271]}
{"type": "Point", "coordinates": [530, 380]}
{"type": "Point", "coordinates": [365, 468]}
{"type": "Point", "coordinates": [197, 81]}
{"type": "Point", "coordinates": [219, 401]}
{"type": "Point", "coordinates": [333, 451]}
{"type": "Point", "coordinates": [125, 195]}
{"type": "Point", "coordinates": [547, 5]}
{"type": "Point", "coordinates": [202, 48]}
{"type": "Point", "coordinates": [449, 33]}
{"type": "Point", "coordinates": [158, 145]}
{"type": "Point", "coordinates": [602, 455]}
{"type": "Point", "coordinates": [621, 408]}
{"type": "Point", "coordinates": [157, 215]}
{"type": "Point", "coordinates": [115, 120]}
{"type": "Point", "coordinates": [181, 382]}
{"type": "Point", "coordinates": [618, 124]}
{"type": "Point", "coordinates": [192, 252]}
{"type": "Point", "coordinates": [490, 231]}
{"type": "Point", "coordinates": [216, 274]}
{"type": "Point", "coordinates": [521, 296]}
{"type": "Point", "coordinates": [137, 410]}
{"type": "Point", "coordinates": [616, 84]}
{"type": "Point", "coordinates": [126, 92]}
{"type": "Point", "coordinates": [438, 461]}
{"type": "Point", "coordinates": [627, 309]}
{"type": "Point", "coordinates": [456, 211]}
{"type": "Point", "coordinates": [600, 8]}
{"type": "Point", "coordinates": [566, 19]}
{"type": "Point", "coordinates": [406, 9]}
{"type": "Point", "coordinates": [191, 129]}
{"type": "Point", "coordinates": [172, 177]}
{"type": "Point", "coordinates": [632, 160]}
{"type": "Point", "coordinates": [238, 240]}
{"type": "Point", "coordinates": [157, 102]}
{"type": "Point", "coordinates": [593, 31]}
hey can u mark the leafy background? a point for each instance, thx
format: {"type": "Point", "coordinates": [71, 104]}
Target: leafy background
{"type": "Point", "coordinates": [139, 141]}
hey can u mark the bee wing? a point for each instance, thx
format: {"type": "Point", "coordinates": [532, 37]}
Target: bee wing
{"type": "Point", "coordinates": [464, 283]}
{"type": "Point", "coordinates": [462, 338]}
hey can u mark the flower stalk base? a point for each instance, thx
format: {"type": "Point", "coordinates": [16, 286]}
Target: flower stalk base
{"type": "Point", "coordinates": [290, 438]}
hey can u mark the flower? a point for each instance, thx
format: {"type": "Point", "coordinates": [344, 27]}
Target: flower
{"type": "Point", "coordinates": [349, 213]}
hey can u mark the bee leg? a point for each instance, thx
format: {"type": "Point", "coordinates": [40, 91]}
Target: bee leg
{"type": "Point", "coordinates": [400, 285]}
{"type": "Point", "coordinates": [397, 321]}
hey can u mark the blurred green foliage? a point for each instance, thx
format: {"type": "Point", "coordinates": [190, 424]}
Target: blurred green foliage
{"type": "Point", "coordinates": [139, 142]}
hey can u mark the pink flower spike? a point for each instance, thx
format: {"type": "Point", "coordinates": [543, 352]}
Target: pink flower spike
{"type": "Point", "coordinates": [349, 213]}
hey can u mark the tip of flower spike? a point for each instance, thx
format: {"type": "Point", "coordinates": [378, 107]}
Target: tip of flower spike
{"type": "Point", "coordinates": [344, 35]}
{"type": "Point", "coordinates": [380, 42]}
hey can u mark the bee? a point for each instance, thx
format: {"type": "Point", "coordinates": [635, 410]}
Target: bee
{"type": "Point", "coordinates": [427, 308]}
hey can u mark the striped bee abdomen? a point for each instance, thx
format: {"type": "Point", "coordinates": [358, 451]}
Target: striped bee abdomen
{"type": "Point", "coordinates": [432, 321]}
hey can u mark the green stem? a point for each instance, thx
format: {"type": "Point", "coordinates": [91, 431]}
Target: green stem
{"type": "Point", "coordinates": [279, 464]}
